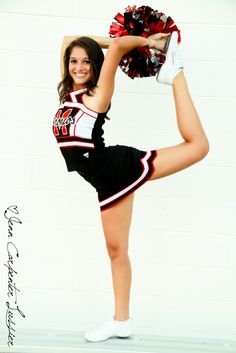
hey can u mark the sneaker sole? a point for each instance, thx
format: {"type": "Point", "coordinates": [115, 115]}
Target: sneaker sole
{"type": "Point", "coordinates": [167, 43]}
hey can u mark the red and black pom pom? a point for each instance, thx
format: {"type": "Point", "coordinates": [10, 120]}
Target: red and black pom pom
{"type": "Point", "coordinates": [142, 21]}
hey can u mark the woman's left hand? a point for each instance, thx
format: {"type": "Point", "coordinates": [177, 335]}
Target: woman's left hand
{"type": "Point", "coordinates": [158, 40]}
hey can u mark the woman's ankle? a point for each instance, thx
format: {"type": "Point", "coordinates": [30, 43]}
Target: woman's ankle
{"type": "Point", "coordinates": [121, 317]}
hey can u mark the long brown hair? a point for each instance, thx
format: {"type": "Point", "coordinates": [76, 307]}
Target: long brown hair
{"type": "Point", "coordinates": [96, 57]}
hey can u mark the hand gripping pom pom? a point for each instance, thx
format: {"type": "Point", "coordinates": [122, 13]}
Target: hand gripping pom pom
{"type": "Point", "coordinates": [142, 21]}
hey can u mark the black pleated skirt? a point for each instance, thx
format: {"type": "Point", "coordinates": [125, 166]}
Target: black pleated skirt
{"type": "Point", "coordinates": [116, 171]}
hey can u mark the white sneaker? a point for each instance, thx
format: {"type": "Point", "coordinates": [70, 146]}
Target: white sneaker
{"type": "Point", "coordinates": [174, 62]}
{"type": "Point", "coordinates": [110, 328]}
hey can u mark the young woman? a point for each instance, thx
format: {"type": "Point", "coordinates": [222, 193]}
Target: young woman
{"type": "Point", "coordinates": [117, 171]}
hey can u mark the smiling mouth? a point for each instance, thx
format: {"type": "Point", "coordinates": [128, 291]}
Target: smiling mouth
{"type": "Point", "coordinates": [80, 75]}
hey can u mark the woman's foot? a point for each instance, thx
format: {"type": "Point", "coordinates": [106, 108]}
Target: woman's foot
{"type": "Point", "coordinates": [110, 328]}
{"type": "Point", "coordinates": [174, 62]}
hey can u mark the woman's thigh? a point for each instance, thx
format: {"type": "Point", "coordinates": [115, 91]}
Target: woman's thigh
{"type": "Point", "coordinates": [116, 222]}
{"type": "Point", "coordinates": [172, 159]}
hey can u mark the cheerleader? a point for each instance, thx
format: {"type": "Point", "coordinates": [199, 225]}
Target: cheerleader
{"type": "Point", "coordinates": [117, 171]}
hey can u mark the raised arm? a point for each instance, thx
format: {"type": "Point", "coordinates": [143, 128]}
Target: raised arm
{"type": "Point", "coordinates": [117, 49]}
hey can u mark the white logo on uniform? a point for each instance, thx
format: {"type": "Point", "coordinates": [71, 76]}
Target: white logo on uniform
{"type": "Point", "coordinates": [86, 155]}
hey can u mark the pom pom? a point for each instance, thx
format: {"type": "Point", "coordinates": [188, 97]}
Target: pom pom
{"type": "Point", "coordinates": [142, 21]}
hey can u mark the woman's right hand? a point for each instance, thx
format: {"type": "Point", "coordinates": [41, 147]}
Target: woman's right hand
{"type": "Point", "coordinates": [158, 41]}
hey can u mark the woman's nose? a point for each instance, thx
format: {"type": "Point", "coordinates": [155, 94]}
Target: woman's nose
{"type": "Point", "coordinates": [79, 66]}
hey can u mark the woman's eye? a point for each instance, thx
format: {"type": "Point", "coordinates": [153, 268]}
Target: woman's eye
{"type": "Point", "coordinates": [73, 61]}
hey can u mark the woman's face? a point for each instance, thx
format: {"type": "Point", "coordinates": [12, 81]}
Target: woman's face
{"type": "Point", "coordinates": [80, 68]}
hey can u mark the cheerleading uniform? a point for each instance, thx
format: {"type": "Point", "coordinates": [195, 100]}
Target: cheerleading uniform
{"type": "Point", "coordinates": [114, 171]}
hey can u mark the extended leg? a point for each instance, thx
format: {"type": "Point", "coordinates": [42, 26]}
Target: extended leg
{"type": "Point", "coordinates": [195, 146]}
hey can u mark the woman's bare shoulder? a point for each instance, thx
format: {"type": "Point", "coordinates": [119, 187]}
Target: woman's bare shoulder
{"type": "Point", "coordinates": [94, 102]}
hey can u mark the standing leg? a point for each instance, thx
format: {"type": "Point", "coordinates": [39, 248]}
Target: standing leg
{"type": "Point", "coordinates": [116, 224]}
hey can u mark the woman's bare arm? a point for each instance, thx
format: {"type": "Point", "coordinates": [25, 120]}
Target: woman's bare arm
{"type": "Point", "coordinates": [118, 48]}
{"type": "Point", "coordinates": [105, 42]}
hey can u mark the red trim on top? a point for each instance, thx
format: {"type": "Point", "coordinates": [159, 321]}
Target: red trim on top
{"type": "Point", "coordinates": [80, 109]}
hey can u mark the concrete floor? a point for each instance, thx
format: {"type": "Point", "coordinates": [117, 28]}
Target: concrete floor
{"type": "Point", "coordinates": [75, 343]}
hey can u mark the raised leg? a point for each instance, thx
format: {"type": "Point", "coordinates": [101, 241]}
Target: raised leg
{"type": "Point", "coordinates": [116, 224]}
{"type": "Point", "coordinates": [195, 146]}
